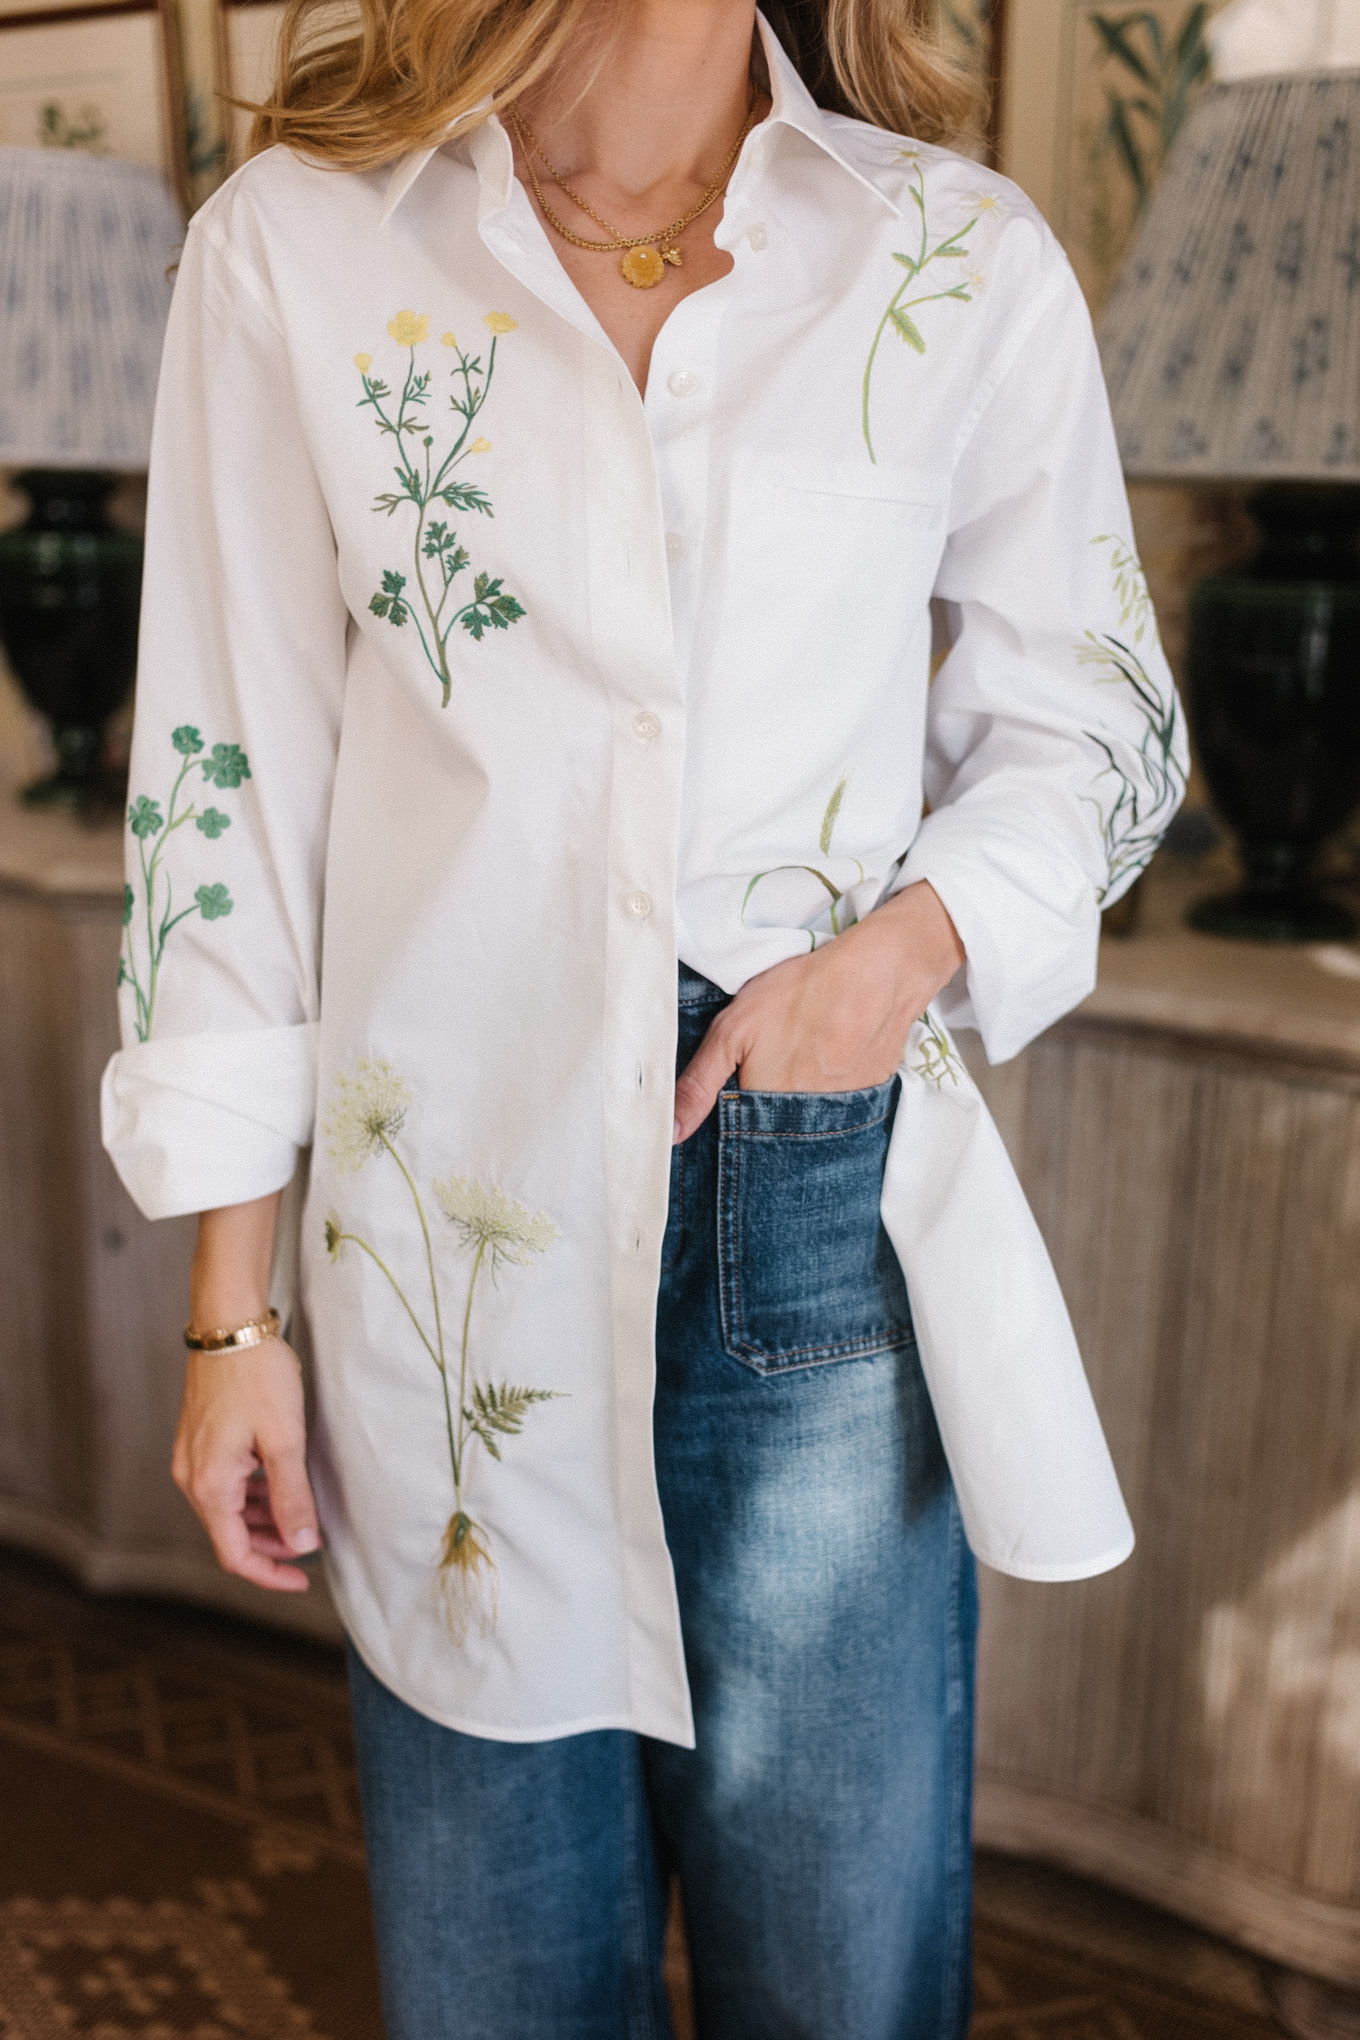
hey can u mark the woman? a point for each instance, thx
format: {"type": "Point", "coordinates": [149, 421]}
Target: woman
{"type": "Point", "coordinates": [563, 430]}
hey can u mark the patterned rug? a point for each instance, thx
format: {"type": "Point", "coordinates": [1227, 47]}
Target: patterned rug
{"type": "Point", "coordinates": [182, 1858]}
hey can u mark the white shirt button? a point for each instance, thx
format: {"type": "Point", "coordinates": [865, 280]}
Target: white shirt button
{"type": "Point", "coordinates": [639, 905]}
{"type": "Point", "coordinates": [682, 382]}
{"type": "Point", "coordinates": [757, 236]}
{"type": "Point", "coordinates": [646, 725]}
{"type": "Point", "coordinates": [675, 546]}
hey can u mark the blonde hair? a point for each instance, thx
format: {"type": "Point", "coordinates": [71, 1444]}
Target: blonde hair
{"type": "Point", "coordinates": [360, 92]}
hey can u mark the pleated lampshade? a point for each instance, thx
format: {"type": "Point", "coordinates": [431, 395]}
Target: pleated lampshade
{"type": "Point", "coordinates": [1231, 342]}
{"type": "Point", "coordinates": [85, 243]}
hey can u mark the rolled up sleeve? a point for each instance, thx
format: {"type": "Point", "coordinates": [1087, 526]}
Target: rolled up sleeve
{"type": "Point", "coordinates": [1056, 750]}
{"type": "Point", "coordinates": [239, 690]}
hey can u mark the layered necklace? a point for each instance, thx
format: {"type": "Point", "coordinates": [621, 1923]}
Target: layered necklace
{"type": "Point", "coordinates": [645, 256]}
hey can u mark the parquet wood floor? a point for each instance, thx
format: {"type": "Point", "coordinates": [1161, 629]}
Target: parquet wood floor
{"type": "Point", "coordinates": [182, 1858]}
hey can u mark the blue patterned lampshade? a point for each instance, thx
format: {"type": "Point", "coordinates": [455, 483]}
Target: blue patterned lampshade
{"type": "Point", "coordinates": [1231, 342]}
{"type": "Point", "coordinates": [85, 243]}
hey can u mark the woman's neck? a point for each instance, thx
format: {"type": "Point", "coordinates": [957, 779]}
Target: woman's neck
{"type": "Point", "coordinates": [655, 104]}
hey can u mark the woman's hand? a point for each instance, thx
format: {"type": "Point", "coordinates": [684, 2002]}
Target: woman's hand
{"type": "Point", "coordinates": [240, 1451]}
{"type": "Point", "coordinates": [835, 1020]}
{"type": "Point", "coordinates": [240, 1457]}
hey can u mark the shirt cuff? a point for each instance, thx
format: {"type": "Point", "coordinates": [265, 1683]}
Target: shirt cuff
{"type": "Point", "coordinates": [1030, 928]}
{"type": "Point", "coordinates": [202, 1120]}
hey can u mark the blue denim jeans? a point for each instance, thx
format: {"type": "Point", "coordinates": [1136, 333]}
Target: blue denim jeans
{"type": "Point", "coordinates": [821, 1827]}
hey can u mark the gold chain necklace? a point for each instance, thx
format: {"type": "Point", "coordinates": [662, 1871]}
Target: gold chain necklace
{"type": "Point", "coordinates": [645, 255]}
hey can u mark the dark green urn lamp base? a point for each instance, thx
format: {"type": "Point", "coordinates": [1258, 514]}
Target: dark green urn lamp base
{"type": "Point", "coordinates": [70, 588]}
{"type": "Point", "coordinates": [1274, 695]}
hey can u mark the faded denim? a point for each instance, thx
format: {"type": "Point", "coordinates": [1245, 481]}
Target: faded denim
{"type": "Point", "coordinates": [821, 1828]}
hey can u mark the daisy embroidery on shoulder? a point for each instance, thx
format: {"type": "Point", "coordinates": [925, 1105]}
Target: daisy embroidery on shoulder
{"type": "Point", "coordinates": [916, 288]}
{"type": "Point", "coordinates": [428, 482]}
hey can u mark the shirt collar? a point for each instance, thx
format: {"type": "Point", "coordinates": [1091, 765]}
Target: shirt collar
{"type": "Point", "coordinates": [793, 106]}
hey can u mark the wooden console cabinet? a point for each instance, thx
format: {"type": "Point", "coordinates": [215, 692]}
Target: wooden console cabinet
{"type": "Point", "coordinates": [1188, 1727]}
{"type": "Point", "coordinates": [91, 1296]}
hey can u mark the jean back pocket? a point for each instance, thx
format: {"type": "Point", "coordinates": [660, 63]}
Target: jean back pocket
{"type": "Point", "coordinates": [806, 1271]}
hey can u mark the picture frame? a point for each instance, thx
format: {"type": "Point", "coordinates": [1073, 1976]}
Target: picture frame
{"type": "Point", "coordinates": [248, 48]}
{"type": "Point", "coordinates": [1093, 95]}
{"type": "Point", "coordinates": [102, 75]}
{"type": "Point", "coordinates": [972, 35]}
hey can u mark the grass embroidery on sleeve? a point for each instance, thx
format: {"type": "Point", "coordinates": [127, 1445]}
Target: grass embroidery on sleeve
{"type": "Point", "coordinates": [149, 921]}
{"type": "Point", "coordinates": [842, 915]}
{"type": "Point", "coordinates": [367, 1112]}
{"type": "Point", "coordinates": [429, 483]}
{"type": "Point", "coordinates": [937, 1059]}
{"type": "Point", "coordinates": [1144, 790]}
{"type": "Point", "coordinates": [953, 248]}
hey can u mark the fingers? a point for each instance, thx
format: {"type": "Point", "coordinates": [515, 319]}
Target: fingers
{"type": "Point", "coordinates": [239, 1458]}
{"type": "Point", "coordinates": [697, 1088]}
{"type": "Point", "coordinates": [290, 1493]}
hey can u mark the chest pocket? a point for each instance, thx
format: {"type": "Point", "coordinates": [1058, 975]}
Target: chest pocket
{"type": "Point", "coordinates": [829, 564]}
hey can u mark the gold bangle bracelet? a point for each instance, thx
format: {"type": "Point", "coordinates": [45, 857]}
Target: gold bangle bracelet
{"type": "Point", "coordinates": [233, 1338]}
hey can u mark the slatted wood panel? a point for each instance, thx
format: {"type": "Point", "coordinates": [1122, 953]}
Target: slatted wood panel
{"type": "Point", "coordinates": [1202, 1205]}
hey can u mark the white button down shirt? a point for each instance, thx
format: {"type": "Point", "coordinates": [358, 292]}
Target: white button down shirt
{"type": "Point", "coordinates": [499, 687]}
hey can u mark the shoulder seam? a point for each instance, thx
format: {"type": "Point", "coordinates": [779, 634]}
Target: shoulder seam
{"type": "Point", "coordinates": [1005, 362]}
{"type": "Point", "coordinates": [245, 275]}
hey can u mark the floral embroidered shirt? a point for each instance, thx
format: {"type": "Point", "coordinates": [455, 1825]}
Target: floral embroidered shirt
{"type": "Point", "coordinates": [476, 689]}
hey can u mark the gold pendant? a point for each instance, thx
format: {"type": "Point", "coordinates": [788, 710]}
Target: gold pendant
{"type": "Point", "coordinates": [642, 267]}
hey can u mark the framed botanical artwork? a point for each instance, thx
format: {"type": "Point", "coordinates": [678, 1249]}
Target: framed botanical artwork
{"type": "Point", "coordinates": [1094, 95]}
{"type": "Point", "coordinates": [972, 36]}
{"type": "Point", "coordinates": [102, 75]}
{"type": "Point", "coordinates": [249, 47]}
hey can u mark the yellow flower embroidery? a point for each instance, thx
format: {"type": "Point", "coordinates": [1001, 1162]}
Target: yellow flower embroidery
{"type": "Point", "coordinates": [423, 601]}
{"type": "Point", "coordinates": [408, 329]}
{"type": "Point", "coordinates": [500, 322]}
{"type": "Point", "coordinates": [363, 362]}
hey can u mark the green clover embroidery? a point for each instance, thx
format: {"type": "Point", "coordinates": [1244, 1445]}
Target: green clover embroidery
{"type": "Point", "coordinates": [139, 961]}
{"type": "Point", "coordinates": [145, 817]}
{"type": "Point", "coordinates": [214, 902]}
{"type": "Point", "coordinates": [226, 765]}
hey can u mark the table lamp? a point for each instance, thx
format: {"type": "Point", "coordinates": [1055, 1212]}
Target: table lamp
{"type": "Point", "coordinates": [85, 244]}
{"type": "Point", "coordinates": [1231, 345]}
